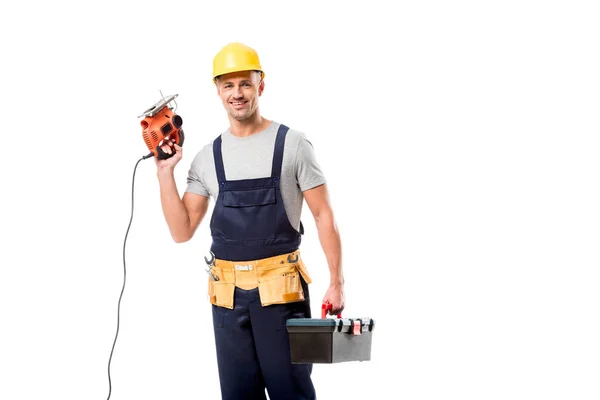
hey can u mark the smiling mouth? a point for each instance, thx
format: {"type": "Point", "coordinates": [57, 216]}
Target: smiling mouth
{"type": "Point", "coordinates": [238, 103]}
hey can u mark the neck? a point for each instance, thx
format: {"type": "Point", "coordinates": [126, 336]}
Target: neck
{"type": "Point", "coordinates": [249, 126]}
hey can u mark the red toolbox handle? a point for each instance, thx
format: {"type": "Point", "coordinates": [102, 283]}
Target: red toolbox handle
{"type": "Point", "coordinates": [325, 307]}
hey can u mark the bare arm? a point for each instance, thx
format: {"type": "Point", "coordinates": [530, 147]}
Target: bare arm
{"type": "Point", "coordinates": [183, 215]}
{"type": "Point", "coordinates": [317, 200]}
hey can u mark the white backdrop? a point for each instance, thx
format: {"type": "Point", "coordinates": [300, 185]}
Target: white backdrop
{"type": "Point", "coordinates": [460, 144]}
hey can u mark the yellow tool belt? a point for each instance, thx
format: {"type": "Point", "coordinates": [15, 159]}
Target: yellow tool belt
{"type": "Point", "coordinates": [277, 279]}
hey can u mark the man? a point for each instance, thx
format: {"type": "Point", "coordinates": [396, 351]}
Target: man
{"type": "Point", "coordinates": [259, 172]}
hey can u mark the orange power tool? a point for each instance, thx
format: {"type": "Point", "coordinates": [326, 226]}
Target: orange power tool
{"type": "Point", "coordinates": [160, 125]}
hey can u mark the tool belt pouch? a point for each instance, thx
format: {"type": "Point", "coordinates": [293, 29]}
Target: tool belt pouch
{"type": "Point", "coordinates": [282, 284]}
{"type": "Point", "coordinates": [221, 292]}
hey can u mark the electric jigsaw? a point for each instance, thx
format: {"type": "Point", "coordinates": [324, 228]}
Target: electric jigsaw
{"type": "Point", "coordinates": [160, 125]}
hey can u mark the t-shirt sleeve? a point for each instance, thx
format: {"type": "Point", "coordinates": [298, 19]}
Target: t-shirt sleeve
{"type": "Point", "coordinates": [194, 179]}
{"type": "Point", "coordinates": [308, 170]}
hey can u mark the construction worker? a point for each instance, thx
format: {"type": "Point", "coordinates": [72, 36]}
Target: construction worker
{"type": "Point", "coordinates": [259, 172]}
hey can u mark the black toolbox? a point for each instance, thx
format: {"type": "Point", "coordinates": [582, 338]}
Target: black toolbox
{"type": "Point", "coordinates": [330, 340]}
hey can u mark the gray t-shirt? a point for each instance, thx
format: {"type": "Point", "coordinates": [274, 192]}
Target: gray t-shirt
{"type": "Point", "coordinates": [252, 157]}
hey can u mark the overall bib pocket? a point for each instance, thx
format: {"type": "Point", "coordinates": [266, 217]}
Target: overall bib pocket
{"type": "Point", "coordinates": [249, 214]}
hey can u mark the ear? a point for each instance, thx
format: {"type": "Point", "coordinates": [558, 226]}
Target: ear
{"type": "Point", "coordinates": [261, 87]}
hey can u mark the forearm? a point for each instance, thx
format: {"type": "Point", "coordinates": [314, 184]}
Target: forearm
{"type": "Point", "coordinates": [329, 238]}
{"type": "Point", "coordinates": [176, 215]}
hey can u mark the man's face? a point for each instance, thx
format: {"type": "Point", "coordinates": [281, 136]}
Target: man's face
{"type": "Point", "coordinates": [239, 92]}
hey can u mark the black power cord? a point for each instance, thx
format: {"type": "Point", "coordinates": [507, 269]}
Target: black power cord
{"type": "Point", "coordinates": [124, 274]}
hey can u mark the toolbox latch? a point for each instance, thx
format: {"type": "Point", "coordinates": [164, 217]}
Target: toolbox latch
{"type": "Point", "coordinates": [357, 327]}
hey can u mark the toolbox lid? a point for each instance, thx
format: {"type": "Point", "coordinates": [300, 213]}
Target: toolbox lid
{"type": "Point", "coordinates": [334, 324]}
{"type": "Point", "coordinates": [312, 322]}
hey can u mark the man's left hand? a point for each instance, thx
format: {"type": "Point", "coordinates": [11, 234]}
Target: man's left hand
{"type": "Point", "coordinates": [335, 297]}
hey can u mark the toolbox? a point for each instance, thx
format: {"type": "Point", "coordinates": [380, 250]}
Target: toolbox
{"type": "Point", "coordinates": [330, 340]}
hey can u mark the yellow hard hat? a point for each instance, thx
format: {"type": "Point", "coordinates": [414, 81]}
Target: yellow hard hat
{"type": "Point", "coordinates": [236, 57]}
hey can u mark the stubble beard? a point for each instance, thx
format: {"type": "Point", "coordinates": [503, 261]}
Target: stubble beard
{"type": "Point", "coordinates": [241, 115]}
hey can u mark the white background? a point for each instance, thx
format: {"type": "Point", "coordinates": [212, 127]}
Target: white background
{"type": "Point", "coordinates": [460, 144]}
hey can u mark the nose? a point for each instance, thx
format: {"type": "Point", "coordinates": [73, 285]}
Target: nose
{"type": "Point", "coordinates": [237, 93]}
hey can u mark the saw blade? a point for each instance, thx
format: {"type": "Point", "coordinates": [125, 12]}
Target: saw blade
{"type": "Point", "coordinates": [159, 105]}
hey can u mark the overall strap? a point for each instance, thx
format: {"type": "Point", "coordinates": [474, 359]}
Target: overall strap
{"type": "Point", "coordinates": [218, 160]}
{"type": "Point", "coordinates": [278, 152]}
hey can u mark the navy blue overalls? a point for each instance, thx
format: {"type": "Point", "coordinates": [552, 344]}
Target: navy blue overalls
{"type": "Point", "coordinates": [249, 222]}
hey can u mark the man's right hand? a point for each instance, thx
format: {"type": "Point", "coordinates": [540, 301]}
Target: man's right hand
{"type": "Point", "coordinates": [169, 163]}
